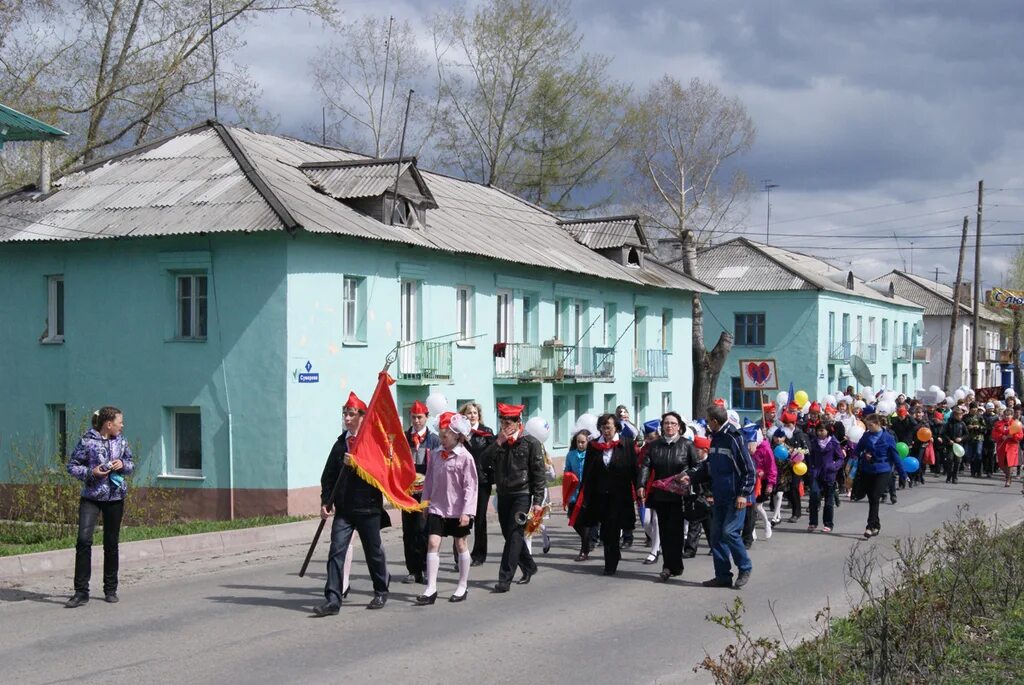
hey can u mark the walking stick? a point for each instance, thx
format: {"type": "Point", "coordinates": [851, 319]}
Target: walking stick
{"type": "Point", "coordinates": [392, 356]}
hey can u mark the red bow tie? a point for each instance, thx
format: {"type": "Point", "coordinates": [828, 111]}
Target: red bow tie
{"type": "Point", "coordinates": [603, 446]}
{"type": "Point", "coordinates": [445, 454]}
{"type": "Point", "coordinates": [416, 439]}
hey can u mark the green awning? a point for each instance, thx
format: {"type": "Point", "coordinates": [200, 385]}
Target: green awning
{"type": "Point", "coordinates": [17, 126]}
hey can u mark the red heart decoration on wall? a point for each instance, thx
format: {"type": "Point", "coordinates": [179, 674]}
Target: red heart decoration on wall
{"type": "Point", "coordinates": [759, 373]}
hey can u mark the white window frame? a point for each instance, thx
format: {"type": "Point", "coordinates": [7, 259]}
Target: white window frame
{"type": "Point", "coordinates": [356, 282]}
{"type": "Point", "coordinates": [666, 402]}
{"type": "Point", "coordinates": [505, 312]}
{"type": "Point", "coordinates": [193, 306]}
{"type": "Point", "coordinates": [464, 314]}
{"type": "Point", "coordinates": [666, 328]}
{"type": "Point", "coordinates": [173, 468]}
{"type": "Point", "coordinates": [55, 312]}
{"type": "Point", "coordinates": [58, 414]}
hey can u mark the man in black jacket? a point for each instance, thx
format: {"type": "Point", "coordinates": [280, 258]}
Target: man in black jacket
{"type": "Point", "coordinates": [954, 433]}
{"type": "Point", "coordinates": [520, 479]}
{"type": "Point", "coordinates": [357, 507]}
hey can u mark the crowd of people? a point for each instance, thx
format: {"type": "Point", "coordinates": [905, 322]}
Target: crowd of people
{"type": "Point", "coordinates": [717, 477]}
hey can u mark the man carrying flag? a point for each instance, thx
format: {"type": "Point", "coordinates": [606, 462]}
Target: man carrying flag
{"type": "Point", "coordinates": [370, 459]}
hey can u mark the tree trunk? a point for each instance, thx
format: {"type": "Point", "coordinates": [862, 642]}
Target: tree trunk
{"type": "Point", "coordinates": [707, 366]}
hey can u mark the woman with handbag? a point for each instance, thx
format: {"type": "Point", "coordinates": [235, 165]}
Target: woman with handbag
{"type": "Point", "coordinates": [665, 459]}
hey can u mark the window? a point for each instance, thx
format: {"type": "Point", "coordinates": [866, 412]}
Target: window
{"type": "Point", "coordinates": [749, 329]}
{"type": "Point", "coordinates": [744, 400]}
{"type": "Point", "coordinates": [353, 306]}
{"type": "Point", "coordinates": [885, 334]}
{"type": "Point", "coordinates": [561, 420]}
{"type": "Point", "coordinates": [639, 407]}
{"type": "Point", "coordinates": [609, 324]}
{"type": "Point", "coordinates": [885, 382]}
{"type": "Point", "coordinates": [609, 403]}
{"type": "Point", "coordinates": [846, 328]}
{"type": "Point", "coordinates": [871, 330]}
{"type": "Point", "coordinates": [903, 384]}
{"type": "Point", "coordinates": [192, 307]}
{"type": "Point", "coordinates": [464, 311]}
{"type": "Point", "coordinates": [558, 320]}
{"type": "Point", "coordinates": [527, 329]}
{"type": "Point", "coordinates": [504, 325]}
{"type": "Point", "coordinates": [860, 330]}
{"type": "Point", "coordinates": [639, 328]}
{"type": "Point", "coordinates": [666, 402]}
{"type": "Point", "coordinates": [582, 405]}
{"type": "Point", "coordinates": [906, 334]}
{"type": "Point", "coordinates": [831, 331]}
{"type": "Point", "coordinates": [666, 329]}
{"type": "Point", "coordinates": [59, 427]}
{"type": "Point", "coordinates": [54, 309]}
{"type": "Point", "coordinates": [187, 448]}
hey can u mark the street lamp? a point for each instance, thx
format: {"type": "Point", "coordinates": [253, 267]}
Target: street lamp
{"type": "Point", "coordinates": [767, 186]}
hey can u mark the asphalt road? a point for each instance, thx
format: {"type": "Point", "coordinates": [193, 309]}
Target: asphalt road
{"type": "Point", "coordinates": [247, 619]}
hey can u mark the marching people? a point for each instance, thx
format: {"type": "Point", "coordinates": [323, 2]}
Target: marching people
{"type": "Point", "coordinates": [414, 536]}
{"type": "Point", "coordinates": [954, 435]}
{"type": "Point", "coordinates": [628, 430]}
{"type": "Point", "coordinates": [988, 450]}
{"type": "Point", "coordinates": [796, 441]}
{"type": "Point", "coordinates": [574, 468]}
{"type": "Point", "coordinates": [824, 462]}
{"type": "Point", "coordinates": [101, 460]}
{"type": "Point", "coordinates": [519, 477]}
{"type": "Point", "coordinates": [730, 472]}
{"type": "Point", "coordinates": [975, 421]}
{"type": "Point", "coordinates": [1007, 443]}
{"type": "Point", "coordinates": [549, 475]}
{"type": "Point", "coordinates": [696, 507]}
{"type": "Point", "coordinates": [480, 437]}
{"type": "Point", "coordinates": [648, 519]}
{"type": "Point", "coordinates": [877, 458]}
{"type": "Point", "coordinates": [609, 474]}
{"type": "Point", "coordinates": [450, 485]}
{"type": "Point", "coordinates": [669, 456]}
{"type": "Point", "coordinates": [357, 507]}
{"type": "Point", "coordinates": [766, 472]}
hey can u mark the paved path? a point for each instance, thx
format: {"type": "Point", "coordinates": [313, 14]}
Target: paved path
{"type": "Point", "coordinates": [245, 617]}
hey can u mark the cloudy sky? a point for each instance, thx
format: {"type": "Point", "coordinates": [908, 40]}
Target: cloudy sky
{"type": "Point", "coordinates": [874, 118]}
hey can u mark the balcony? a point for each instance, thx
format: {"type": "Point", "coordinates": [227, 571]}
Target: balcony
{"type": "Point", "coordinates": [903, 354]}
{"type": "Point", "coordinates": [840, 352]}
{"type": "Point", "coordinates": [994, 355]}
{"type": "Point", "coordinates": [526, 363]}
{"type": "Point", "coordinates": [650, 365]}
{"type": "Point", "coordinates": [422, 363]}
{"type": "Point", "coordinates": [867, 352]}
{"type": "Point", "coordinates": [922, 355]}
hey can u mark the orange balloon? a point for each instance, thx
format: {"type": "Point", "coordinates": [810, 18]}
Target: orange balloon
{"type": "Point", "coordinates": [924, 434]}
{"type": "Point", "coordinates": [1015, 427]}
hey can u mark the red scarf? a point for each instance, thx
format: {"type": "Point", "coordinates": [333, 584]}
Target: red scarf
{"type": "Point", "coordinates": [605, 446]}
{"type": "Point", "coordinates": [445, 454]}
{"type": "Point", "coordinates": [481, 433]}
{"type": "Point", "coordinates": [416, 440]}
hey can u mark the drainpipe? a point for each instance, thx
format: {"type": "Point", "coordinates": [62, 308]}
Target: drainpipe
{"type": "Point", "coordinates": [44, 166]}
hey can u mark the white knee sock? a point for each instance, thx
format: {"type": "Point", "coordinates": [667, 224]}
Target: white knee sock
{"type": "Point", "coordinates": [346, 570]}
{"type": "Point", "coordinates": [528, 539]}
{"type": "Point", "coordinates": [655, 535]}
{"type": "Point", "coordinates": [778, 505]}
{"type": "Point", "coordinates": [464, 562]}
{"type": "Point", "coordinates": [433, 563]}
{"type": "Point", "coordinates": [767, 521]}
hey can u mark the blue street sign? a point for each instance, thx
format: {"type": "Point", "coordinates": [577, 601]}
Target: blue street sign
{"type": "Point", "coordinates": [309, 377]}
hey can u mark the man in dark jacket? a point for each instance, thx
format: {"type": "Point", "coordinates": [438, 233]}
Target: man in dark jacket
{"type": "Point", "coordinates": [975, 423]}
{"type": "Point", "coordinates": [954, 434]}
{"type": "Point", "coordinates": [356, 507]}
{"type": "Point", "coordinates": [479, 440]}
{"type": "Point", "coordinates": [988, 449]}
{"type": "Point", "coordinates": [730, 471]}
{"type": "Point", "coordinates": [521, 480]}
{"type": "Point", "coordinates": [414, 523]}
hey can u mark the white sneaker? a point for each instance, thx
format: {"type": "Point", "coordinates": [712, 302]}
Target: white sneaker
{"type": "Point", "coordinates": [755, 534]}
{"type": "Point", "coordinates": [768, 531]}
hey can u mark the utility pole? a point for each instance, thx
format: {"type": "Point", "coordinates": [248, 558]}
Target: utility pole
{"type": "Point", "coordinates": [384, 86]}
{"type": "Point", "coordinates": [768, 185]}
{"type": "Point", "coordinates": [956, 307]}
{"type": "Point", "coordinates": [977, 286]}
{"type": "Point", "coordinates": [911, 256]}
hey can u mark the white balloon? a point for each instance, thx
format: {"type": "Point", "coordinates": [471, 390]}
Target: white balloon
{"type": "Point", "coordinates": [734, 418]}
{"type": "Point", "coordinates": [437, 403]}
{"type": "Point", "coordinates": [806, 407]}
{"type": "Point", "coordinates": [538, 428]}
{"type": "Point", "coordinates": [959, 394]}
{"type": "Point", "coordinates": [586, 422]}
{"type": "Point", "coordinates": [934, 388]}
{"type": "Point", "coordinates": [950, 401]}
{"type": "Point", "coordinates": [889, 396]}
{"type": "Point", "coordinates": [867, 392]}
{"type": "Point", "coordinates": [782, 399]}
{"type": "Point", "coordinates": [854, 434]}
{"type": "Point", "coordinates": [830, 400]}
{"type": "Point", "coordinates": [432, 424]}
{"type": "Point", "coordinates": [886, 407]}
{"type": "Point", "coordinates": [940, 396]}
{"type": "Point", "coordinates": [859, 404]}
{"type": "Point", "coordinates": [1009, 392]}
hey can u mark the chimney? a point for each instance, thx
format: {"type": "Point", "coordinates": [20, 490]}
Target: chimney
{"type": "Point", "coordinates": [44, 166]}
{"type": "Point", "coordinates": [965, 294]}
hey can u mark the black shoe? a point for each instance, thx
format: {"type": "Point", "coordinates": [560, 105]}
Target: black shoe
{"type": "Point", "coordinates": [892, 500]}
{"type": "Point", "coordinates": [424, 600]}
{"type": "Point", "coordinates": [955, 481]}
{"type": "Point", "coordinates": [741, 579]}
{"type": "Point", "coordinates": [718, 582]}
{"type": "Point", "coordinates": [477, 562]}
{"type": "Point", "coordinates": [665, 575]}
{"type": "Point", "coordinates": [111, 598]}
{"type": "Point", "coordinates": [608, 572]}
{"type": "Point", "coordinates": [411, 578]}
{"type": "Point", "coordinates": [420, 579]}
{"type": "Point", "coordinates": [747, 544]}
{"type": "Point", "coordinates": [459, 598]}
{"type": "Point", "coordinates": [626, 544]}
{"type": "Point", "coordinates": [378, 601]}
{"type": "Point", "coordinates": [326, 609]}
{"type": "Point", "coordinates": [502, 587]}
{"type": "Point", "coordinates": [77, 600]}
{"type": "Point", "coordinates": [525, 580]}
{"type": "Point", "coordinates": [689, 554]}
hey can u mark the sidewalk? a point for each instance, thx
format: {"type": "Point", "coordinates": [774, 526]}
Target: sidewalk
{"type": "Point", "coordinates": [181, 547]}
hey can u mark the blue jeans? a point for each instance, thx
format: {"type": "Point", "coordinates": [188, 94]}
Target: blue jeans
{"type": "Point", "coordinates": [727, 538]}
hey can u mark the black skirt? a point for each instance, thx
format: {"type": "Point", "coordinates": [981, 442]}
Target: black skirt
{"type": "Point", "coordinates": [447, 528]}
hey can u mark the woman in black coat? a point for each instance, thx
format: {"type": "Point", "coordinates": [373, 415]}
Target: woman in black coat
{"type": "Point", "coordinates": [669, 455]}
{"type": "Point", "coordinates": [609, 472]}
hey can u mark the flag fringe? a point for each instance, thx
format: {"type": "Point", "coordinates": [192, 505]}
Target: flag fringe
{"type": "Point", "coordinates": [365, 475]}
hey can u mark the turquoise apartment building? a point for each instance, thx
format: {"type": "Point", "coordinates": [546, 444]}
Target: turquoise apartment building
{"type": "Point", "coordinates": [227, 289]}
{"type": "Point", "coordinates": [812, 318]}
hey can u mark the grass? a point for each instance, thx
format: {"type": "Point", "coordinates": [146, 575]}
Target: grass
{"type": "Point", "coordinates": [26, 538]}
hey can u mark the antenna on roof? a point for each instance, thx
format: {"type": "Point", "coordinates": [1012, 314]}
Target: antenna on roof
{"type": "Point", "coordinates": [213, 57]}
{"type": "Point", "coordinates": [384, 87]}
{"type": "Point", "coordinates": [401, 151]}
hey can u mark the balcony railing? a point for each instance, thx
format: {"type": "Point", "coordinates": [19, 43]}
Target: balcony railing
{"type": "Point", "coordinates": [840, 352]}
{"type": "Point", "coordinates": [993, 354]}
{"type": "Point", "coordinates": [528, 363]}
{"type": "Point", "coordinates": [922, 355]}
{"type": "Point", "coordinates": [903, 353]}
{"type": "Point", "coordinates": [868, 352]}
{"type": "Point", "coordinates": [650, 365]}
{"type": "Point", "coordinates": [425, 362]}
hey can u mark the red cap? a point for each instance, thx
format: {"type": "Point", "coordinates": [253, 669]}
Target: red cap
{"type": "Point", "coordinates": [418, 408]}
{"type": "Point", "coordinates": [445, 420]}
{"type": "Point", "coordinates": [353, 402]}
{"type": "Point", "coordinates": [793, 406]}
{"type": "Point", "coordinates": [770, 406]}
{"type": "Point", "coordinates": [815, 407]}
{"type": "Point", "coordinates": [511, 410]}
{"type": "Point", "coordinates": [939, 416]}
{"type": "Point", "coordinates": [788, 417]}
{"type": "Point", "coordinates": [718, 402]}
{"type": "Point", "coordinates": [830, 410]}
{"type": "Point", "coordinates": [702, 443]}
{"type": "Point", "coordinates": [902, 411]}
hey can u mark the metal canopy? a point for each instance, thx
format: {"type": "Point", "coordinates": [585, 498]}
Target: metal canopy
{"type": "Point", "coordinates": [18, 127]}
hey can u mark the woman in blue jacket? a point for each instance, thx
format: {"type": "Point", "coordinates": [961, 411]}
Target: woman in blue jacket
{"type": "Point", "coordinates": [876, 459]}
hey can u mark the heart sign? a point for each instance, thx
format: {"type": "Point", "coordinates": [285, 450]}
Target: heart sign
{"type": "Point", "coordinates": [759, 374]}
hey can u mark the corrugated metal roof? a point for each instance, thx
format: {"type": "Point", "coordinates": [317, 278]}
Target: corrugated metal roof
{"type": "Point", "coordinates": [607, 232]}
{"type": "Point", "coordinates": [17, 126]}
{"type": "Point", "coordinates": [935, 297]}
{"type": "Point", "coordinates": [348, 179]}
{"type": "Point", "coordinates": [192, 182]}
{"type": "Point", "coordinates": [775, 269]}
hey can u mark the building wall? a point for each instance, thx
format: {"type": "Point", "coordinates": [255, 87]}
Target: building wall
{"type": "Point", "coordinates": [118, 349]}
{"type": "Point", "coordinates": [936, 336]}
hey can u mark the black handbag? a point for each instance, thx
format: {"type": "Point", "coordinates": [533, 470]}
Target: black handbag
{"type": "Point", "coordinates": [695, 508]}
{"type": "Point", "coordinates": [859, 490]}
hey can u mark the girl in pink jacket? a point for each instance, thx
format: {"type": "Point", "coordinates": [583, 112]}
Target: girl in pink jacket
{"type": "Point", "coordinates": [767, 475]}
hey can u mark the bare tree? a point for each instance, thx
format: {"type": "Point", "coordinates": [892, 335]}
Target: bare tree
{"type": "Point", "coordinates": [522, 106]}
{"type": "Point", "coordinates": [684, 143]}
{"type": "Point", "coordinates": [350, 75]}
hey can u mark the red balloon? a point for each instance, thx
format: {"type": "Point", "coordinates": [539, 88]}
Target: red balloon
{"type": "Point", "coordinates": [1015, 427]}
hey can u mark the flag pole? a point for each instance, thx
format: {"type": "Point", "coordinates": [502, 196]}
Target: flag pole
{"type": "Point", "coordinates": [388, 361]}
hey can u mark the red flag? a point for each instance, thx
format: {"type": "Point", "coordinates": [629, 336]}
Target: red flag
{"type": "Point", "coordinates": [381, 455]}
